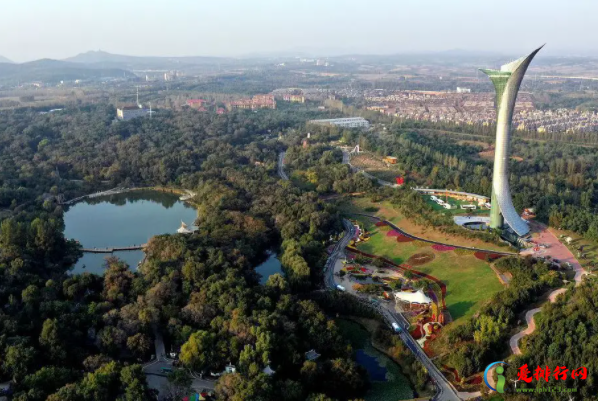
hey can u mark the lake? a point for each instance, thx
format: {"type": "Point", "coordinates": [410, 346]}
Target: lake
{"type": "Point", "coordinates": [269, 267]}
{"type": "Point", "coordinates": [126, 219]}
{"type": "Point", "coordinates": [387, 379]}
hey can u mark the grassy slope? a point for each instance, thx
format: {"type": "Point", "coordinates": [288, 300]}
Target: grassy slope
{"type": "Point", "coordinates": [470, 281]}
{"type": "Point", "coordinates": [386, 211]}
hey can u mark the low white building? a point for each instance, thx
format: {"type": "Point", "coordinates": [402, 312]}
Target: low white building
{"type": "Point", "coordinates": [349, 122]}
{"type": "Point", "coordinates": [131, 112]}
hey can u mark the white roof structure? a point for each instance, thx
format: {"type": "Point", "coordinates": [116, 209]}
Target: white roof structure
{"type": "Point", "coordinates": [183, 229]}
{"type": "Point", "coordinates": [311, 355]}
{"type": "Point", "coordinates": [417, 297]}
{"type": "Point", "coordinates": [268, 370]}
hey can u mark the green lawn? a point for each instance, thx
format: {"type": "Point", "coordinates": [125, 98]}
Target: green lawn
{"type": "Point", "coordinates": [469, 281]}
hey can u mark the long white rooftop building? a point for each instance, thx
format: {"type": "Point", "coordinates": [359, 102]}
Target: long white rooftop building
{"type": "Point", "coordinates": [349, 122]}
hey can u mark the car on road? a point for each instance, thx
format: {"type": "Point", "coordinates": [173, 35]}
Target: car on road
{"type": "Point", "coordinates": [396, 327]}
{"type": "Point", "coordinates": [341, 288]}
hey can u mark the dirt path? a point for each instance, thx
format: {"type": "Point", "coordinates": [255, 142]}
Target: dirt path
{"type": "Point", "coordinates": [556, 250]}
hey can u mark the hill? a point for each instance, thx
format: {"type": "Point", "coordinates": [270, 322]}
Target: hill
{"type": "Point", "coordinates": [105, 59]}
{"type": "Point", "coordinates": [5, 60]}
{"type": "Point", "coordinates": [53, 71]}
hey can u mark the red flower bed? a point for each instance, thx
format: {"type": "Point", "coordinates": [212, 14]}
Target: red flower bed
{"type": "Point", "coordinates": [404, 238]}
{"type": "Point", "coordinates": [380, 224]}
{"type": "Point", "coordinates": [453, 371]}
{"type": "Point", "coordinates": [442, 248]}
{"type": "Point", "coordinates": [393, 233]}
{"type": "Point", "coordinates": [485, 256]}
{"type": "Point", "coordinates": [417, 333]}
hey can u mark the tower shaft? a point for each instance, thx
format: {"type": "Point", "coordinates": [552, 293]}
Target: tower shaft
{"type": "Point", "coordinates": [506, 82]}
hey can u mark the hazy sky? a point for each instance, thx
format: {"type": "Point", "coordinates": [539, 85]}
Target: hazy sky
{"type": "Point", "coordinates": [31, 29]}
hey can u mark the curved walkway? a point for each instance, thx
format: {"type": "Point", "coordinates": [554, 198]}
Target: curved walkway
{"type": "Point", "coordinates": [434, 242]}
{"type": "Point", "coordinates": [556, 250]}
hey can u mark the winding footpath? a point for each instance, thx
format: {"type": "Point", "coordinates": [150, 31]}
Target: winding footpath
{"type": "Point", "coordinates": [556, 250]}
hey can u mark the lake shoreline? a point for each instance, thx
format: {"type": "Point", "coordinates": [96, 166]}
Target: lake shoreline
{"type": "Point", "coordinates": [139, 214]}
{"type": "Point", "coordinates": [171, 190]}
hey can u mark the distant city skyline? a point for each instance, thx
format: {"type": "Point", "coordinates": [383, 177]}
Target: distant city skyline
{"type": "Point", "coordinates": [60, 29]}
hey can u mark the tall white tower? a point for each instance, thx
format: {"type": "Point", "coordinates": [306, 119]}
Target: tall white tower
{"type": "Point", "coordinates": [506, 82]}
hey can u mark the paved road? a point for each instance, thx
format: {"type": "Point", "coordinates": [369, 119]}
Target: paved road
{"type": "Point", "coordinates": [156, 378]}
{"type": "Point", "coordinates": [281, 172]}
{"type": "Point", "coordinates": [446, 392]}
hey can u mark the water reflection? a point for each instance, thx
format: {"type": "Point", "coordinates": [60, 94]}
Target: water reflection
{"type": "Point", "coordinates": [269, 267]}
{"type": "Point", "coordinates": [123, 220]}
{"type": "Point", "coordinates": [387, 379]}
{"type": "Point", "coordinates": [167, 200]}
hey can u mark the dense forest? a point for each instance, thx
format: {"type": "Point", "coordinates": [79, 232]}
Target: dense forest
{"type": "Point", "coordinates": [558, 180]}
{"type": "Point", "coordinates": [565, 337]}
{"type": "Point", "coordinates": [74, 337]}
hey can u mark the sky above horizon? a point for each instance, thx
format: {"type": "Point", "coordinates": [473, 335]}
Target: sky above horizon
{"type": "Point", "coordinates": [33, 29]}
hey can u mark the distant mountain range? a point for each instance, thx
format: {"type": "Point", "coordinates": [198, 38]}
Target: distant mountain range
{"type": "Point", "coordinates": [94, 65]}
{"type": "Point", "coordinates": [54, 71]}
{"type": "Point", "coordinates": [105, 59]}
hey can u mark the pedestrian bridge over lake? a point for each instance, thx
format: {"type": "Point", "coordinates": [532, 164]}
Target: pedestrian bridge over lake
{"type": "Point", "coordinates": [114, 249]}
